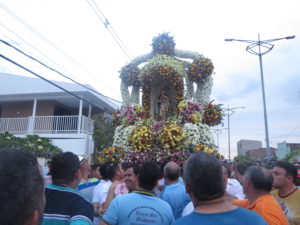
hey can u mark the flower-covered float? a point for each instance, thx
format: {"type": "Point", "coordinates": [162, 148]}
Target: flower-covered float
{"type": "Point", "coordinates": [162, 116]}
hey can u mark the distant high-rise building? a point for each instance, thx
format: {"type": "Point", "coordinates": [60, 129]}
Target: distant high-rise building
{"type": "Point", "coordinates": [244, 145]}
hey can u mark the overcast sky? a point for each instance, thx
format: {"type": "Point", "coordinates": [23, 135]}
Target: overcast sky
{"type": "Point", "coordinates": [200, 26]}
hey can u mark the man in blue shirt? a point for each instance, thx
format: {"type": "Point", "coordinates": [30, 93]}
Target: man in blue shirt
{"type": "Point", "coordinates": [174, 192]}
{"type": "Point", "coordinates": [140, 206]}
{"type": "Point", "coordinates": [205, 184]}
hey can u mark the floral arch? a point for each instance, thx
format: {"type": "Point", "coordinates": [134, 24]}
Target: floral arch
{"type": "Point", "coordinates": [165, 77]}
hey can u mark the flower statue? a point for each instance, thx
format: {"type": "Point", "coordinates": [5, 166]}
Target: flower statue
{"type": "Point", "coordinates": [213, 115]}
{"type": "Point", "coordinates": [171, 116]}
{"type": "Point", "coordinates": [110, 154]}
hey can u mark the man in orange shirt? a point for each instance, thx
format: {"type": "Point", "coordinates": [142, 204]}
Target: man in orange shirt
{"type": "Point", "coordinates": [257, 186]}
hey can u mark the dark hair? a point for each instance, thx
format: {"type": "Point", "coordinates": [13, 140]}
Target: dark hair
{"type": "Point", "coordinates": [290, 169]}
{"type": "Point", "coordinates": [241, 168]}
{"type": "Point", "coordinates": [148, 175]}
{"type": "Point", "coordinates": [64, 167]}
{"type": "Point", "coordinates": [134, 166]}
{"type": "Point", "coordinates": [172, 174]}
{"type": "Point", "coordinates": [260, 177]}
{"type": "Point", "coordinates": [162, 167]}
{"type": "Point", "coordinates": [95, 166]}
{"type": "Point", "coordinates": [225, 165]}
{"type": "Point", "coordinates": [203, 173]}
{"type": "Point", "coordinates": [108, 170]}
{"type": "Point", "coordinates": [21, 186]}
{"type": "Point", "coordinates": [270, 165]}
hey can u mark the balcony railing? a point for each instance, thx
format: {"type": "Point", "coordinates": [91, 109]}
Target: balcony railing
{"type": "Point", "coordinates": [47, 125]}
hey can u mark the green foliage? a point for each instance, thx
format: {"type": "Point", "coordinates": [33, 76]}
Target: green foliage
{"type": "Point", "coordinates": [39, 146]}
{"type": "Point", "coordinates": [244, 159]}
{"type": "Point", "coordinates": [103, 132]}
{"type": "Point", "coordinates": [291, 155]}
{"type": "Point", "coordinates": [9, 141]}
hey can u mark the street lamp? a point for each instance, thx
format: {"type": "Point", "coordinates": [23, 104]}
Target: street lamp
{"type": "Point", "coordinates": [263, 48]}
{"type": "Point", "coordinates": [230, 111]}
{"type": "Point", "coordinates": [218, 131]}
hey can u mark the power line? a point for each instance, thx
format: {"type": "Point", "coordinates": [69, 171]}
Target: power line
{"type": "Point", "coordinates": [33, 30]}
{"type": "Point", "coordinates": [34, 48]}
{"type": "Point", "coordinates": [113, 30]}
{"type": "Point", "coordinates": [109, 27]}
{"type": "Point", "coordinates": [39, 76]}
{"type": "Point", "coordinates": [32, 58]}
{"type": "Point", "coordinates": [294, 130]}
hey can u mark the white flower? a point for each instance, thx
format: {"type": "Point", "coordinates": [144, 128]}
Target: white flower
{"type": "Point", "coordinates": [198, 133]}
{"type": "Point", "coordinates": [121, 136]}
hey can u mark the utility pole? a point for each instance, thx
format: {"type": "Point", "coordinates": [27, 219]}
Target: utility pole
{"type": "Point", "coordinates": [217, 131]}
{"type": "Point", "coordinates": [230, 111]}
{"type": "Point", "coordinates": [264, 47]}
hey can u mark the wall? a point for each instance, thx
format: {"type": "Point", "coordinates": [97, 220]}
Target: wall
{"type": "Point", "coordinates": [45, 108]}
{"type": "Point", "coordinates": [16, 109]}
{"type": "Point", "coordinates": [24, 109]}
{"type": "Point", "coordinates": [260, 153]}
{"type": "Point", "coordinates": [282, 150]}
{"type": "Point", "coordinates": [77, 146]}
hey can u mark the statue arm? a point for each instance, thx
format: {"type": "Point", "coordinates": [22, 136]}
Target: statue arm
{"type": "Point", "coordinates": [125, 93]}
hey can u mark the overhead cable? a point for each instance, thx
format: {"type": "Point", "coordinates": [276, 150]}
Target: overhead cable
{"type": "Point", "coordinates": [39, 76]}
{"type": "Point", "coordinates": [33, 30]}
{"type": "Point", "coordinates": [65, 76]}
{"type": "Point", "coordinates": [34, 48]}
{"type": "Point", "coordinates": [109, 27]}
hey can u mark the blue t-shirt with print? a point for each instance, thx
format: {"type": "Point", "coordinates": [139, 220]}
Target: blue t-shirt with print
{"type": "Point", "coordinates": [237, 216]}
{"type": "Point", "coordinates": [176, 196]}
{"type": "Point", "coordinates": [138, 208]}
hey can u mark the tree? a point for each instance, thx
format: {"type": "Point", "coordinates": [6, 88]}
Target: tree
{"type": "Point", "coordinates": [39, 146]}
{"type": "Point", "coordinates": [291, 155]}
{"type": "Point", "coordinates": [103, 132]}
{"type": "Point", "coordinates": [244, 159]}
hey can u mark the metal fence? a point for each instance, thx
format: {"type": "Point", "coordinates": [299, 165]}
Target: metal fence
{"type": "Point", "coordinates": [46, 125]}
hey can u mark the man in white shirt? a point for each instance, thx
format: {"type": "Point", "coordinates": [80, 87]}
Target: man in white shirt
{"type": "Point", "coordinates": [233, 187]}
{"type": "Point", "coordinates": [110, 172]}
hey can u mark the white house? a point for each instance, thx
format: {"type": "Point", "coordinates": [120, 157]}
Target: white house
{"type": "Point", "coordinates": [32, 106]}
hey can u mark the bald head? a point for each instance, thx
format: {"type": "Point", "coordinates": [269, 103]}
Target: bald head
{"type": "Point", "coordinates": [260, 177]}
{"type": "Point", "coordinates": [172, 171]}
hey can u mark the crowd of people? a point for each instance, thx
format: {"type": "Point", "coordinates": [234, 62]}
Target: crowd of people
{"type": "Point", "coordinates": [204, 191]}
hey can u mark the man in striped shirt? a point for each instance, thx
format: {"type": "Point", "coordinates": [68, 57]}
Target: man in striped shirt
{"type": "Point", "coordinates": [64, 204]}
